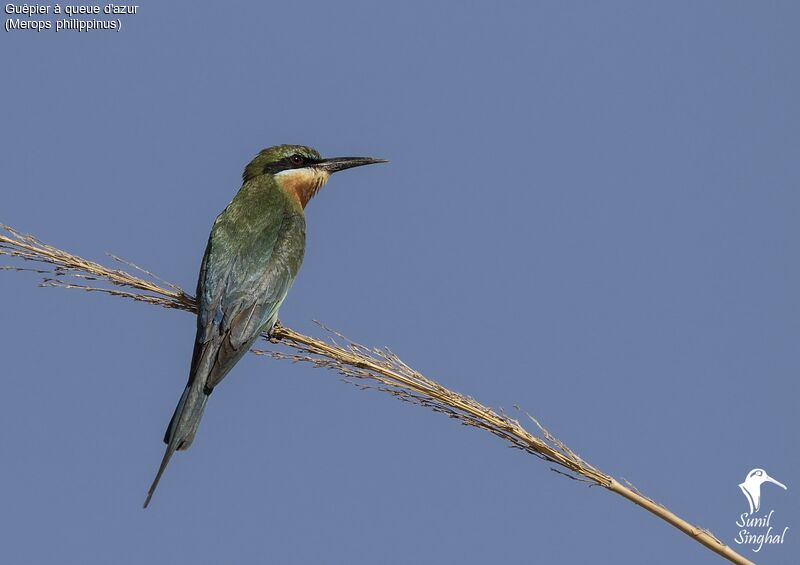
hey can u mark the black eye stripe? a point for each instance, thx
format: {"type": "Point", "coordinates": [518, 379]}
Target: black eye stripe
{"type": "Point", "coordinates": [288, 163]}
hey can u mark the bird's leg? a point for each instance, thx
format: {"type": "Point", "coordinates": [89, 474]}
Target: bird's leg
{"type": "Point", "coordinates": [271, 331]}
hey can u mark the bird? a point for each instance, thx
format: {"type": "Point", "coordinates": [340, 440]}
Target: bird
{"type": "Point", "coordinates": [751, 487]}
{"type": "Point", "coordinates": [254, 252]}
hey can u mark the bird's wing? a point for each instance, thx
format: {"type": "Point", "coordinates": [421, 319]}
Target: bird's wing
{"type": "Point", "coordinates": [243, 282]}
{"type": "Point", "coordinates": [749, 497]}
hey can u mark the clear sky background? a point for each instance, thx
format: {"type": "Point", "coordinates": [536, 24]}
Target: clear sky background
{"type": "Point", "coordinates": [591, 211]}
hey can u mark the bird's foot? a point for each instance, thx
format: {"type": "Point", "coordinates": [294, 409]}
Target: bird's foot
{"type": "Point", "coordinates": [272, 333]}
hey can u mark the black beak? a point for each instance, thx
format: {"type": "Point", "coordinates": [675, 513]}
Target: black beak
{"type": "Point", "coordinates": [336, 164]}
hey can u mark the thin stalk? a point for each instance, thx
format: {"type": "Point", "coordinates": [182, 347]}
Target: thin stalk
{"type": "Point", "coordinates": [366, 367]}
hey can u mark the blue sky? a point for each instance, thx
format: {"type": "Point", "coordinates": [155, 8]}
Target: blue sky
{"type": "Point", "coordinates": [590, 212]}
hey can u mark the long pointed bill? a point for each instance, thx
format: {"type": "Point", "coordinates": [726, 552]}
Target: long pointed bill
{"type": "Point", "coordinates": [337, 164]}
{"type": "Point", "coordinates": [771, 480]}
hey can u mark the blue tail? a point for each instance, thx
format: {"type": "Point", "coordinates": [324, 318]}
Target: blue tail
{"type": "Point", "coordinates": [182, 427]}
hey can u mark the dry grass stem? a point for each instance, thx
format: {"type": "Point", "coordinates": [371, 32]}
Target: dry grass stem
{"type": "Point", "coordinates": [363, 366]}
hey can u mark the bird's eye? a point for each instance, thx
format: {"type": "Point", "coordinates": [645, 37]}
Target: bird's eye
{"type": "Point", "coordinates": [296, 159]}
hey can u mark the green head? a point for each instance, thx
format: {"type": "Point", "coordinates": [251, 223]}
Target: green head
{"type": "Point", "coordinates": [300, 170]}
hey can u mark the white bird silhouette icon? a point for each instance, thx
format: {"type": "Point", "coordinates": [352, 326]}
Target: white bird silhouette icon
{"type": "Point", "coordinates": [751, 487]}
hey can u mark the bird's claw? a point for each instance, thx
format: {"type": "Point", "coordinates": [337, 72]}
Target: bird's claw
{"type": "Point", "coordinates": [271, 333]}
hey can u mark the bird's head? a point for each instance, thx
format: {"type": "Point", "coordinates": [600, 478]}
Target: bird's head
{"type": "Point", "coordinates": [758, 476]}
{"type": "Point", "coordinates": [300, 170]}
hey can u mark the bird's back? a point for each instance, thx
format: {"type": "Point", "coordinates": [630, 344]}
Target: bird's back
{"type": "Point", "coordinates": [253, 255]}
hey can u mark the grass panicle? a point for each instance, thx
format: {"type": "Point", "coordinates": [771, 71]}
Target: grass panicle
{"type": "Point", "coordinates": [366, 367]}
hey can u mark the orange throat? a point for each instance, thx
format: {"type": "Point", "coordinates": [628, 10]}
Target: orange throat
{"type": "Point", "coordinates": [302, 184]}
